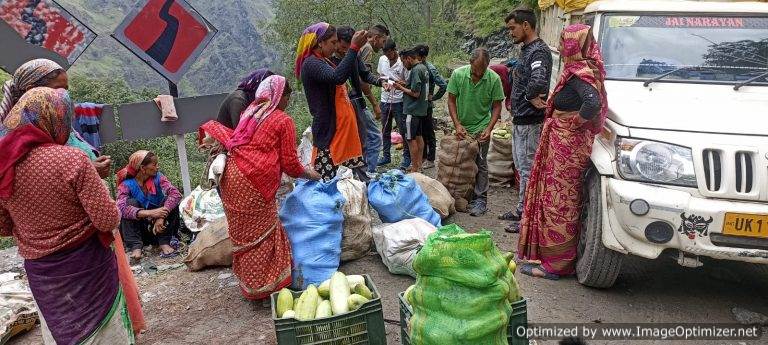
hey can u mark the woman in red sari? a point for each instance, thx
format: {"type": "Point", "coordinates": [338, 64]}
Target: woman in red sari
{"type": "Point", "coordinates": [576, 112]}
{"type": "Point", "coordinates": [260, 150]}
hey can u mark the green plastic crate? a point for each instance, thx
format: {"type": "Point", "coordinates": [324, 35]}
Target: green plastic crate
{"type": "Point", "coordinates": [362, 326]}
{"type": "Point", "coordinates": [519, 317]}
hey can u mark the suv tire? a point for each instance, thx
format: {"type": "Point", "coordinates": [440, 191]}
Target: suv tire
{"type": "Point", "coordinates": [597, 266]}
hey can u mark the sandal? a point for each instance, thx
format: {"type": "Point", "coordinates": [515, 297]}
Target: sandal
{"type": "Point", "coordinates": [510, 216]}
{"type": "Point", "coordinates": [513, 228]}
{"type": "Point", "coordinates": [527, 269]}
{"type": "Point", "coordinates": [169, 255]}
{"type": "Point", "coordinates": [135, 261]}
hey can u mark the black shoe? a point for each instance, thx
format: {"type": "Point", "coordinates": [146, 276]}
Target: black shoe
{"type": "Point", "coordinates": [511, 216]}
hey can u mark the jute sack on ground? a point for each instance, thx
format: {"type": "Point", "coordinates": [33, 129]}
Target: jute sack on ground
{"type": "Point", "coordinates": [439, 196]}
{"type": "Point", "coordinates": [501, 167]}
{"type": "Point", "coordinates": [357, 237]}
{"type": "Point", "coordinates": [457, 169]}
{"type": "Point", "coordinates": [212, 247]}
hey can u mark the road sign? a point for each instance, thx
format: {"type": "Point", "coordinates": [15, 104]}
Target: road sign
{"type": "Point", "coordinates": [46, 24]}
{"type": "Point", "coordinates": [168, 35]}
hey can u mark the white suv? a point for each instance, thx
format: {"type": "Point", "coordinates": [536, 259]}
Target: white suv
{"type": "Point", "coordinates": [682, 164]}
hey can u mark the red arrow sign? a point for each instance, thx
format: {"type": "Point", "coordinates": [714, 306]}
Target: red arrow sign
{"type": "Point", "coordinates": [167, 34]}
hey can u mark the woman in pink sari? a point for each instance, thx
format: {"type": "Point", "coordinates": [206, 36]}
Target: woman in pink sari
{"type": "Point", "coordinates": [576, 112]}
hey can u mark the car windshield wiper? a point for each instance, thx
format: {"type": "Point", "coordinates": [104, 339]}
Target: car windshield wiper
{"type": "Point", "coordinates": [660, 77]}
{"type": "Point", "coordinates": [750, 81]}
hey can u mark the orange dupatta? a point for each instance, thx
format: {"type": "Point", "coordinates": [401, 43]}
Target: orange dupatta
{"type": "Point", "coordinates": [346, 142]}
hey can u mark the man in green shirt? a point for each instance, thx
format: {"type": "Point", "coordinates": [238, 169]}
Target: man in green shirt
{"type": "Point", "coordinates": [472, 91]}
{"type": "Point", "coordinates": [415, 105]}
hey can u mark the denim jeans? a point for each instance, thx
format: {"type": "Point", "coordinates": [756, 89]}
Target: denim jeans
{"type": "Point", "coordinates": [526, 142]}
{"type": "Point", "coordinates": [394, 111]}
{"type": "Point", "coordinates": [370, 135]}
{"type": "Point", "coordinates": [372, 141]}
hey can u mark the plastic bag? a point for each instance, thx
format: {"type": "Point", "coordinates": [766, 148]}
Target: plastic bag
{"type": "Point", "coordinates": [212, 247]}
{"type": "Point", "coordinates": [457, 170]}
{"type": "Point", "coordinates": [398, 243]}
{"type": "Point", "coordinates": [305, 147]}
{"type": "Point", "coordinates": [357, 238]}
{"type": "Point", "coordinates": [201, 208]}
{"type": "Point", "coordinates": [439, 196]}
{"type": "Point", "coordinates": [396, 197]}
{"type": "Point", "coordinates": [461, 294]}
{"type": "Point", "coordinates": [312, 217]}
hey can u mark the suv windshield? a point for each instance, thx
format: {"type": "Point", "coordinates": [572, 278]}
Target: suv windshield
{"type": "Point", "coordinates": [718, 49]}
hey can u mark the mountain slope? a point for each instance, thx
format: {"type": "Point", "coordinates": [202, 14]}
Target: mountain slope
{"type": "Point", "coordinates": [237, 48]}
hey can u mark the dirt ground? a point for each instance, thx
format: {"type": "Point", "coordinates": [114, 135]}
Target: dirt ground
{"type": "Point", "coordinates": [206, 307]}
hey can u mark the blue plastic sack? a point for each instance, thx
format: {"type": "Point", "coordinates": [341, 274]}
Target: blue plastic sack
{"type": "Point", "coordinates": [313, 220]}
{"type": "Point", "coordinates": [396, 196]}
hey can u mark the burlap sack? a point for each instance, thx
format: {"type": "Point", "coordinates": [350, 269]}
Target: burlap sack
{"type": "Point", "coordinates": [439, 196]}
{"type": "Point", "coordinates": [501, 167]}
{"type": "Point", "coordinates": [457, 169]}
{"type": "Point", "coordinates": [212, 247]}
{"type": "Point", "coordinates": [357, 238]}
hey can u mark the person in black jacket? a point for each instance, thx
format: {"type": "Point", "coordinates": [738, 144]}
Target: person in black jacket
{"type": "Point", "coordinates": [529, 99]}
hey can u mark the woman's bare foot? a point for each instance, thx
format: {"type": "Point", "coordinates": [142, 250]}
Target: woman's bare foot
{"type": "Point", "coordinates": [135, 256]}
{"type": "Point", "coordinates": [166, 249]}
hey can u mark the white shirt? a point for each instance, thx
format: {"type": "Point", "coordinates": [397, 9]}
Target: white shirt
{"type": "Point", "coordinates": [394, 72]}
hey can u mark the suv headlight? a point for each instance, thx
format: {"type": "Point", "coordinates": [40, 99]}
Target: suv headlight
{"type": "Point", "coordinates": [652, 161]}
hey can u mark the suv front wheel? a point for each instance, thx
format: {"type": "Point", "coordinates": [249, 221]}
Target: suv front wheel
{"type": "Point", "coordinates": [597, 266]}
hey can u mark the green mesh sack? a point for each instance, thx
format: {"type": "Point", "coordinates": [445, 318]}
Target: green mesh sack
{"type": "Point", "coordinates": [461, 291]}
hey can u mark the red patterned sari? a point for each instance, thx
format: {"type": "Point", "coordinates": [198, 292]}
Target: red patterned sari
{"type": "Point", "coordinates": [549, 230]}
{"type": "Point", "coordinates": [260, 150]}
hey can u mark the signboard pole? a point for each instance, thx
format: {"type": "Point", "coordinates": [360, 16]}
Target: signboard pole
{"type": "Point", "coordinates": [181, 147]}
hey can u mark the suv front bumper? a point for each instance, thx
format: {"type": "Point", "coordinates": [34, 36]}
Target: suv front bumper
{"type": "Point", "coordinates": [626, 232]}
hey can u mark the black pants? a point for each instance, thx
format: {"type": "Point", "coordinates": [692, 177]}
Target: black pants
{"type": "Point", "coordinates": [138, 233]}
{"type": "Point", "coordinates": [428, 132]}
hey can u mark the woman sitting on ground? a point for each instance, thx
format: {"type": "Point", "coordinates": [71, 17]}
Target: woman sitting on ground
{"type": "Point", "coordinates": [61, 214]}
{"type": "Point", "coordinates": [149, 205]}
{"type": "Point", "coordinates": [260, 150]}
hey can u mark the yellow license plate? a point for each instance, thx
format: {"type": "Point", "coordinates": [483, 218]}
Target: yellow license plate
{"type": "Point", "coordinates": [746, 225]}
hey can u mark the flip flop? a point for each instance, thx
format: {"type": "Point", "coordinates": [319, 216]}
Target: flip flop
{"type": "Point", "coordinates": [527, 269]}
{"type": "Point", "coordinates": [513, 228]}
{"type": "Point", "coordinates": [169, 255]}
{"type": "Point", "coordinates": [510, 216]}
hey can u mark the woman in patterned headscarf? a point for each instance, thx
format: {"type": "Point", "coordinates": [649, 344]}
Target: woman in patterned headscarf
{"type": "Point", "coordinates": [39, 72]}
{"type": "Point", "coordinates": [334, 122]}
{"type": "Point", "coordinates": [44, 72]}
{"type": "Point", "coordinates": [575, 113]}
{"type": "Point", "coordinates": [66, 238]}
{"type": "Point", "coordinates": [237, 101]}
{"type": "Point", "coordinates": [260, 150]}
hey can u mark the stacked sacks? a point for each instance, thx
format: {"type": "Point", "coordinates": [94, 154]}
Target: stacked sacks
{"type": "Point", "coordinates": [457, 169]}
{"type": "Point", "coordinates": [312, 217]}
{"type": "Point", "coordinates": [357, 237]}
{"type": "Point", "coordinates": [439, 196]}
{"type": "Point", "coordinates": [396, 196]}
{"type": "Point", "coordinates": [462, 290]}
{"type": "Point", "coordinates": [501, 167]}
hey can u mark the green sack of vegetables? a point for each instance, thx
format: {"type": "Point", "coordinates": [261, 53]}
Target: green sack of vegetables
{"type": "Point", "coordinates": [461, 293]}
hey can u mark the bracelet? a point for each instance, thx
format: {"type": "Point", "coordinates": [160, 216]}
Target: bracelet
{"type": "Point", "coordinates": [354, 47]}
